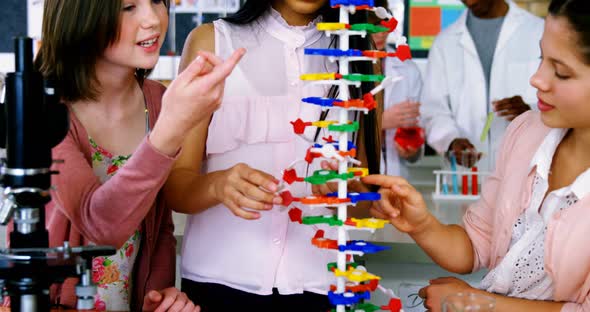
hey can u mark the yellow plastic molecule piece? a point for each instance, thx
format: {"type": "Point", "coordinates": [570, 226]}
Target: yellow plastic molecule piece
{"type": "Point", "coordinates": [363, 171]}
{"type": "Point", "coordinates": [370, 223]}
{"type": "Point", "coordinates": [322, 76]}
{"type": "Point", "coordinates": [323, 123]}
{"type": "Point", "coordinates": [356, 275]}
{"type": "Point", "coordinates": [331, 26]}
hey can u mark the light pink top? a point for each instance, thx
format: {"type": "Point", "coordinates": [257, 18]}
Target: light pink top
{"type": "Point", "coordinates": [252, 126]}
{"type": "Point", "coordinates": [506, 195]}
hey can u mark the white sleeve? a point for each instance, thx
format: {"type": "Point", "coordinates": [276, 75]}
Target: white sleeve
{"type": "Point", "coordinates": [437, 117]}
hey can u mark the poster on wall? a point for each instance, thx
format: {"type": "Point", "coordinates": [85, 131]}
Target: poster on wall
{"type": "Point", "coordinates": [426, 19]}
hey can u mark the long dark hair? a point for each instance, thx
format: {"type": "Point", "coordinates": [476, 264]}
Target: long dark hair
{"type": "Point", "coordinates": [577, 13]}
{"type": "Point", "coordinates": [370, 132]}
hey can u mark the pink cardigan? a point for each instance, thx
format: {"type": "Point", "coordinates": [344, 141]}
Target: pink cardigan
{"type": "Point", "coordinates": [507, 193]}
{"type": "Point", "coordinates": [85, 210]}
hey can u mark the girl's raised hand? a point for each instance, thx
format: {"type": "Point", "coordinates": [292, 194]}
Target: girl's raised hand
{"type": "Point", "coordinates": [400, 203]}
{"type": "Point", "coordinates": [192, 97]}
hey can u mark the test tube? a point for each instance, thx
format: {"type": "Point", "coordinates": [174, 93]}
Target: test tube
{"type": "Point", "coordinates": [454, 174]}
{"type": "Point", "coordinates": [474, 183]}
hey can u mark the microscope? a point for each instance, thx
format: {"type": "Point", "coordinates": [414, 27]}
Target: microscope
{"type": "Point", "coordinates": [32, 122]}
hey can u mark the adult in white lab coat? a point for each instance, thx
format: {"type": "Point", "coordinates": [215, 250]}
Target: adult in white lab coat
{"type": "Point", "coordinates": [458, 95]}
{"type": "Point", "coordinates": [401, 106]}
{"type": "Point", "coordinates": [401, 109]}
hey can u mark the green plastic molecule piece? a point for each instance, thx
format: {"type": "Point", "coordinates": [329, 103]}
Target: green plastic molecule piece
{"type": "Point", "coordinates": [370, 28]}
{"type": "Point", "coordinates": [330, 220]}
{"type": "Point", "coordinates": [333, 265]}
{"type": "Point", "coordinates": [364, 78]}
{"type": "Point", "coordinates": [321, 177]}
{"type": "Point", "coordinates": [345, 128]}
{"type": "Point", "coordinates": [366, 307]}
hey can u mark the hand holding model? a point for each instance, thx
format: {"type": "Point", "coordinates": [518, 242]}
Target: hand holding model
{"type": "Point", "coordinates": [242, 189]}
{"type": "Point", "coordinates": [400, 203]}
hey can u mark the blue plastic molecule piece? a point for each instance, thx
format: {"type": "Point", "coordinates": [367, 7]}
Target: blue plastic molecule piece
{"type": "Point", "coordinates": [336, 145]}
{"type": "Point", "coordinates": [454, 176]}
{"type": "Point", "coordinates": [370, 3]}
{"type": "Point", "coordinates": [325, 102]}
{"type": "Point", "coordinates": [362, 246]}
{"type": "Point", "coordinates": [357, 197]}
{"type": "Point", "coordinates": [348, 298]}
{"type": "Point", "coordinates": [334, 52]}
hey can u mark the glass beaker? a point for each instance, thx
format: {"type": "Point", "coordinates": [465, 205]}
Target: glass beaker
{"type": "Point", "coordinates": [468, 302]}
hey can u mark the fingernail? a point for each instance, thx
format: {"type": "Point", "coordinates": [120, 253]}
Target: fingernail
{"type": "Point", "coordinates": [272, 187]}
{"type": "Point", "coordinates": [277, 200]}
{"type": "Point", "coordinates": [268, 207]}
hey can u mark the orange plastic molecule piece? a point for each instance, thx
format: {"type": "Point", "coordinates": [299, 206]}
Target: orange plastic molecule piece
{"type": "Point", "coordinates": [319, 241]}
{"type": "Point", "coordinates": [351, 103]}
{"type": "Point", "coordinates": [375, 54]}
{"type": "Point", "coordinates": [323, 200]}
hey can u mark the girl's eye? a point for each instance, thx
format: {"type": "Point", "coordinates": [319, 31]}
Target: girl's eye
{"type": "Point", "coordinates": [561, 77]}
{"type": "Point", "coordinates": [128, 8]}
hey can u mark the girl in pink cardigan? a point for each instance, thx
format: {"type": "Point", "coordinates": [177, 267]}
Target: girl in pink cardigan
{"type": "Point", "coordinates": [531, 226]}
{"type": "Point", "coordinates": [125, 134]}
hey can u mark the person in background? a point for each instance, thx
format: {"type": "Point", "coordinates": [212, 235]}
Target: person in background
{"type": "Point", "coordinates": [401, 108]}
{"type": "Point", "coordinates": [531, 226]}
{"type": "Point", "coordinates": [125, 133]}
{"type": "Point", "coordinates": [475, 81]}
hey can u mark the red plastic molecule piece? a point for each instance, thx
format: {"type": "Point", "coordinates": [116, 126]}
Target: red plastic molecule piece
{"type": "Point", "coordinates": [350, 222]}
{"type": "Point", "coordinates": [370, 102]}
{"type": "Point", "coordinates": [299, 126]}
{"type": "Point", "coordinates": [290, 176]}
{"type": "Point", "coordinates": [329, 139]}
{"type": "Point", "coordinates": [288, 198]}
{"type": "Point", "coordinates": [391, 24]}
{"type": "Point", "coordinates": [403, 52]}
{"type": "Point", "coordinates": [395, 305]}
{"type": "Point", "coordinates": [295, 215]}
{"type": "Point", "coordinates": [371, 286]}
{"type": "Point", "coordinates": [319, 234]}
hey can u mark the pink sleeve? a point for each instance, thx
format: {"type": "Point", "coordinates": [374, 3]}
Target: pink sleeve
{"type": "Point", "coordinates": [251, 119]}
{"type": "Point", "coordinates": [479, 218]}
{"type": "Point", "coordinates": [163, 266]}
{"type": "Point", "coordinates": [107, 214]}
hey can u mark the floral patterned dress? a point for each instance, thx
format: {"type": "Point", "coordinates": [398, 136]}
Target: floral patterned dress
{"type": "Point", "coordinates": [112, 274]}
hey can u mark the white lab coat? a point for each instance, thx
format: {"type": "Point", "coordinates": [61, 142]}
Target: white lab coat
{"type": "Point", "coordinates": [408, 87]}
{"type": "Point", "coordinates": [453, 98]}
